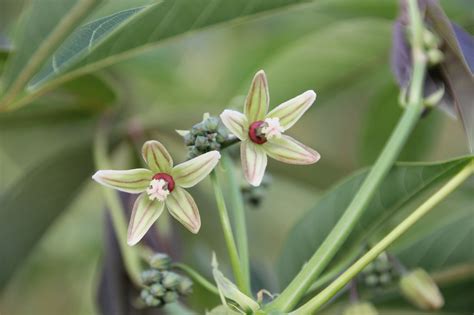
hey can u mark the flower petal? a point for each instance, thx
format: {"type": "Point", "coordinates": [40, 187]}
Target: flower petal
{"type": "Point", "coordinates": [132, 181]}
{"type": "Point", "coordinates": [228, 290]}
{"type": "Point", "coordinates": [157, 157]}
{"type": "Point", "coordinates": [182, 207]}
{"type": "Point", "coordinates": [236, 122]}
{"type": "Point", "coordinates": [290, 111]}
{"type": "Point", "coordinates": [191, 172]}
{"type": "Point", "coordinates": [145, 213]}
{"type": "Point", "coordinates": [254, 162]}
{"type": "Point", "coordinates": [288, 150]}
{"type": "Point", "coordinates": [256, 104]}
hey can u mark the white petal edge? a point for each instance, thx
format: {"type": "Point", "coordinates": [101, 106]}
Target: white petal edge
{"type": "Point", "coordinates": [236, 122]}
{"type": "Point", "coordinates": [254, 162]}
{"type": "Point", "coordinates": [183, 208]}
{"type": "Point", "coordinates": [191, 172]}
{"type": "Point", "coordinates": [132, 181]}
{"type": "Point", "coordinates": [288, 150]}
{"type": "Point", "coordinates": [258, 98]}
{"type": "Point", "coordinates": [157, 157]}
{"type": "Point", "coordinates": [145, 212]}
{"type": "Point", "coordinates": [291, 111]}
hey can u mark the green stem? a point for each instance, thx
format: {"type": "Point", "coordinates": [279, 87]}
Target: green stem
{"type": "Point", "coordinates": [325, 295]}
{"type": "Point", "coordinates": [292, 294]}
{"type": "Point", "coordinates": [239, 219]}
{"type": "Point", "coordinates": [228, 235]}
{"type": "Point", "coordinates": [193, 274]}
{"type": "Point", "coordinates": [130, 255]}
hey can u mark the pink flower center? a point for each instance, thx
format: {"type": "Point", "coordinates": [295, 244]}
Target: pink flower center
{"type": "Point", "coordinates": [167, 178]}
{"type": "Point", "coordinates": [255, 132]}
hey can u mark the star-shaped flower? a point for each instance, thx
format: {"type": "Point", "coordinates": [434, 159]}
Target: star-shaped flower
{"type": "Point", "coordinates": [161, 185]}
{"type": "Point", "coordinates": [261, 133]}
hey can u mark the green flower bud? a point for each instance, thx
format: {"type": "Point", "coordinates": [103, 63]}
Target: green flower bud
{"type": "Point", "coordinates": [198, 129]}
{"type": "Point", "coordinates": [382, 264]}
{"type": "Point", "coordinates": [214, 146]}
{"type": "Point", "coordinates": [371, 280]}
{"type": "Point", "coordinates": [419, 288]}
{"type": "Point", "coordinates": [188, 139]}
{"type": "Point", "coordinates": [144, 294]}
{"type": "Point", "coordinates": [211, 123]}
{"type": "Point", "coordinates": [360, 308]}
{"type": "Point", "coordinates": [202, 143]}
{"type": "Point", "coordinates": [185, 286]}
{"type": "Point", "coordinates": [170, 297]}
{"type": "Point", "coordinates": [170, 279]}
{"type": "Point", "coordinates": [152, 301]}
{"type": "Point", "coordinates": [370, 268]}
{"type": "Point", "coordinates": [435, 56]}
{"type": "Point", "coordinates": [385, 278]}
{"type": "Point", "coordinates": [160, 261]}
{"type": "Point", "coordinates": [157, 290]}
{"type": "Point", "coordinates": [150, 276]}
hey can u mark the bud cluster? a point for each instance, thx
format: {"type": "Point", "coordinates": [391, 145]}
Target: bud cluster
{"type": "Point", "coordinates": [380, 273]}
{"type": "Point", "coordinates": [252, 195]}
{"type": "Point", "coordinates": [210, 134]}
{"type": "Point", "coordinates": [162, 286]}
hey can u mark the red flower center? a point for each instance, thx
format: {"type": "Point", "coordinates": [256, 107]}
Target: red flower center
{"type": "Point", "coordinates": [255, 132]}
{"type": "Point", "coordinates": [167, 178]}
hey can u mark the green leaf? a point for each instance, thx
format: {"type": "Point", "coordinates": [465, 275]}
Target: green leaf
{"type": "Point", "coordinates": [405, 187]}
{"type": "Point", "coordinates": [138, 32]}
{"type": "Point", "coordinates": [31, 204]}
{"type": "Point", "coordinates": [45, 25]}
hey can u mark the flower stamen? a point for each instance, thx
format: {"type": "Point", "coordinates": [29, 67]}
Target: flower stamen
{"type": "Point", "coordinates": [272, 128]}
{"type": "Point", "coordinates": [161, 186]}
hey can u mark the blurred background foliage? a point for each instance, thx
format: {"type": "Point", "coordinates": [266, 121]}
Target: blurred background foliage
{"type": "Point", "coordinates": [338, 48]}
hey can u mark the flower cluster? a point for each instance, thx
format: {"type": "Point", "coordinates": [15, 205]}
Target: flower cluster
{"type": "Point", "coordinates": [163, 286]}
{"type": "Point", "coordinates": [380, 273]}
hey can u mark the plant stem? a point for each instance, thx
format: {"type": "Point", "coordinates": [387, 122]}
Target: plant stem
{"type": "Point", "coordinates": [338, 235]}
{"type": "Point", "coordinates": [227, 229]}
{"type": "Point", "coordinates": [193, 274]}
{"type": "Point", "coordinates": [325, 295]}
{"type": "Point", "coordinates": [130, 255]}
{"type": "Point", "coordinates": [239, 219]}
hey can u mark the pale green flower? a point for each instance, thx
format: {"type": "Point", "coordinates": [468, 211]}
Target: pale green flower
{"type": "Point", "coordinates": [261, 133]}
{"type": "Point", "coordinates": [161, 185]}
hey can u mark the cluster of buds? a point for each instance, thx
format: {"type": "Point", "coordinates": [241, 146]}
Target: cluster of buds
{"type": "Point", "coordinates": [162, 286]}
{"type": "Point", "coordinates": [208, 135]}
{"type": "Point", "coordinates": [380, 273]}
{"type": "Point", "coordinates": [254, 196]}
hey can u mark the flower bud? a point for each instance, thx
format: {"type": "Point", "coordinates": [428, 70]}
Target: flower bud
{"type": "Point", "coordinates": [435, 56]}
{"type": "Point", "coordinates": [371, 280]}
{"type": "Point", "coordinates": [170, 297]}
{"type": "Point", "coordinates": [152, 301]}
{"type": "Point", "coordinates": [150, 276]}
{"type": "Point", "coordinates": [201, 142]}
{"type": "Point", "coordinates": [188, 139]}
{"type": "Point", "coordinates": [157, 290]}
{"type": "Point", "coordinates": [185, 286]}
{"type": "Point", "coordinates": [360, 308]}
{"type": "Point", "coordinates": [418, 287]}
{"type": "Point", "coordinates": [170, 280]}
{"type": "Point", "coordinates": [160, 261]}
{"type": "Point", "coordinates": [211, 123]}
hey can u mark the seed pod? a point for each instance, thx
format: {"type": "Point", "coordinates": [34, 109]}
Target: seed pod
{"type": "Point", "coordinates": [160, 261]}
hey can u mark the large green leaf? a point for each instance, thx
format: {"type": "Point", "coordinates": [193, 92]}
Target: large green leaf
{"type": "Point", "coordinates": [405, 187]}
{"type": "Point", "coordinates": [29, 206]}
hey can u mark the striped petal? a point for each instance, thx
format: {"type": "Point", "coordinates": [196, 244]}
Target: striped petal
{"type": "Point", "coordinates": [288, 150]}
{"type": "Point", "coordinates": [157, 157]}
{"type": "Point", "coordinates": [254, 162]}
{"type": "Point", "coordinates": [182, 207]}
{"type": "Point", "coordinates": [256, 104]}
{"type": "Point", "coordinates": [191, 172]}
{"type": "Point", "coordinates": [145, 213]}
{"type": "Point", "coordinates": [132, 181]}
{"type": "Point", "coordinates": [291, 111]}
{"type": "Point", "coordinates": [236, 122]}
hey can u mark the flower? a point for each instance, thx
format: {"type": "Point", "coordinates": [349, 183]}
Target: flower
{"type": "Point", "coordinates": [261, 133]}
{"type": "Point", "coordinates": [159, 186]}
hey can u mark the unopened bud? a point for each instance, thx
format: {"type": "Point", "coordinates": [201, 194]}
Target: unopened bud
{"type": "Point", "coordinates": [211, 123]}
{"type": "Point", "coordinates": [435, 56]}
{"type": "Point", "coordinates": [188, 139]}
{"type": "Point", "coordinates": [360, 308]}
{"type": "Point", "coordinates": [160, 261]}
{"type": "Point", "coordinates": [201, 142]}
{"type": "Point", "coordinates": [430, 40]}
{"type": "Point", "coordinates": [170, 297]}
{"type": "Point", "coordinates": [157, 290]}
{"type": "Point", "coordinates": [418, 287]}
{"type": "Point", "coordinates": [185, 286]}
{"type": "Point", "coordinates": [434, 98]}
{"type": "Point", "coordinates": [170, 280]}
{"type": "Point", "coordinates": [152, 301]}
{"type": "Point", "coordinates": [150, 276]}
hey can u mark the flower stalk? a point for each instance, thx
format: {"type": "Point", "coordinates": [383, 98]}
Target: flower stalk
{"type": "Point", "coordinates": [228, 234]}
{"type": "Point", "coordinates": [240, 224]}
{"type": "Point", "coordinates": [323, 256]}
{"type": "Point", "coordinates": [325, 295]}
